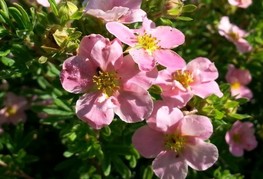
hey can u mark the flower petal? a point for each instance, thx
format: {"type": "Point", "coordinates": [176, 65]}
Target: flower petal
{"type": "Point", "coordinates": [148, 142]}
{"type": "Point", "coordinates": [122, 32]}
{"type": "Point", "coordinates": [102, 4]}
{"type": "Point", "coordinates": [134, 15]}
{"type": "Point", "coordinates": [134, 75]}
{"type": "Point", "coordinates": [243, 46]}
{"type": "Point", "coordinates": [204, 90]}
{"type": "Point", "coordinates": [224, 26]}
{"type": "Point", "coordinates": [206, 69]}
{"type": "Point", "coordinates": [88, 42]}
{"type": "Point", "coordinates": [169, 59]}
{"type": "Point", "coordinates": [242, 76]}
{"type": "Point", "coordinates": [168, 165]}
{"type": "Point", "coordinates": [201, 155]}
{"type": "Point", "coordinates": [168, 37]}
{"type": "Point", "coordinates": [75, 77]}
{"type": "Point", "coordinates": [132, 4]}
{"type": "Point", "coordinates": [164, 117]}
{"type": "Point", "coordinates": [135, 104]}
{"type": "Point", "coordinates": [197, 126]}
{"type": "Point", "coordinates": [236, 150]}
{"type": "Point", "coordinates": [242, 92]}
{"type": "Point", "coordinates": [106, 54]}
{"type": "Point", "coordinates": [145, 61]}
{"type": "Point", "coordinates": [93, 111]}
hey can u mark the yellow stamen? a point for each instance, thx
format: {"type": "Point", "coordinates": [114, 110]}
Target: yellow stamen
{"type": "Point", "coordinates": [147, 42]}
{"type": "Point", "coordinates": [235, 85]}
{"type": "Point", "coordinates": [234, 36]}
{"type": "Point", "coordinates": [10, 111]}
{"type": "Point", "coordinates": [184, 77]}
{"type": "Point", "coordinates": [106, 82]}
{"type": "Point", "coordinates": [174, 142]}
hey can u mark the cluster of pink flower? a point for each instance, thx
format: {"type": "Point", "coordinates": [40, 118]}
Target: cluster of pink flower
{"type": "Point", "coordinates": [114, 83]}
{"type": "Point", "coordinates": [238, 78]}
{"type": "Point", "coordinates": [241, 136]}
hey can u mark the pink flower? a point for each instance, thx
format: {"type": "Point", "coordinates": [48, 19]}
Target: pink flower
{"type": "Point", "coordinates": [150, 44]}
{"type": "Point", "coordinates": [110, 82]}
{"type": "Point", "coordinates": [45, 3]}
{"type": "Point", "coordinates": [196, 78]}
{"type": "Point", "coordinates": [240, 3]}
{"type": "Point", "coordinates": [238, 80]}
{"type": "Point", "coordinates": [234, 34]}
{"type": "Point", "coordinates": [127, 11]}
{"type": "Point", "coordinates": [241, 137]}
{"type": "Point", "coordinates": [14, 107]}
{"type": "Point", "coordinates": [176, 142]}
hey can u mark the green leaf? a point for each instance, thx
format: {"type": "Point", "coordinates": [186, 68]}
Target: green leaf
{"type": "Point", "coordinates": [189, 8]}
{"type": "Point", "coordinates": [67, 154]}
{"type": "Point", "coordinates": [4, 8]}
{"type": "Point", "coordinates": [121, 168]}
{"type": "Point", "coordinates": [147, 173]}
{"type": "Point", "coordinates": [58, 112]}
{"type": "Point", "coordinates": [7, 61]}
{"type": "Point", "coordinates": [3, 31]}
{"type": "Point", "coordinates": [2, 19]}
{"type": "Point", "coordinates": [4, 53]}
{"type": "Point", "coordinates": [25, 17]}
{"type": "Point", "coordinates": [61, 104]}
{"type": "Point", "coordinates": [183, 18]}
{"type": "Point", "coordinates": [16, 14]}
{"type": "Point", "coordinates": [231, 104]}
{"type": "Point", "coordinates": [219, 114]}
{"type": "Point", "coordinates": [106, 166]}
{"type": "Point", "coordinates": [53, 6]}
{"type": "Point", "coordinates": [239, 116]}
{"type": "Point", "coordinates": [77, 15]}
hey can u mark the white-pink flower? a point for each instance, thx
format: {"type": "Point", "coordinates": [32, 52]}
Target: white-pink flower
{"type": "Point", "coordinates": [196, 78]}
{"type": "Point", "coordinates": [241, 137]}
{"type": "Point", "coordinates": [14, 109]}
{"type": "Point", "coordinates": [45, 3]}
{"type": "Point", "coordinates": [234, 34]}
{"type": "Point", "coordinates": [150, 45]}
{"type": "Point", "coordinates": [240, 3]}
{"type": "Point", "coordinates": [112, 84]}
{"type": "Point", "coordinates": [127, 11]}
{"type": "Point", "coordinates": [176, 142]}
{"type": "Point", "coordinates": [239, 79]}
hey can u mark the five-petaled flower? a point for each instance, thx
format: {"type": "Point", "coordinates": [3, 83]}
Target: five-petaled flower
{"type": "Point", "coordinates": [14, 109]}
{"type": "Point", "coordinates": [239, 79]}
{"type": "Point", "coordinates": [240, 3]}
{"type": "Point", "coordinates": [149, 44]}
{"type": "Point", "coordinates": [110, 82]}
{"type": "Point", "coordinates": [196, 78]}
{"type": "Point", "coordinates": [241, 137]}
{"type": "Point", "coordinates": [127, 11]}
{"type": "Point", "coordinates": [234, 34]}
{"type": "Point", "coordinates": [176, 142]}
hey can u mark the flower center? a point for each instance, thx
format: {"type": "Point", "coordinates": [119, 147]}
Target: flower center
{"type": "Point", "coordinates": [234, 36]}
{"type": "Point", "coordinates": [174, 142]}
{"type": "Point", "coordinates": [147, 42]}
{"type": "Point", "coordinates": [236, 138]}
{"type": "Point", "coordinates": [184, 77]}
{"type": "Point", "coordinates": [235, 85]}
{"type": "Point", "coordinates": [10, 111]}
{"type": "Point", "coordinates": [106, 82]}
